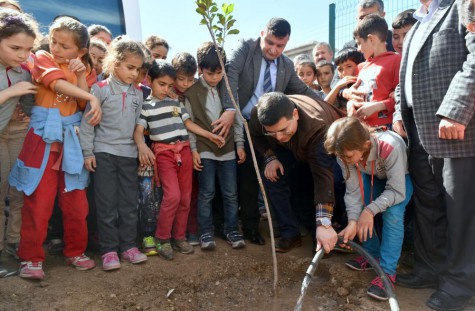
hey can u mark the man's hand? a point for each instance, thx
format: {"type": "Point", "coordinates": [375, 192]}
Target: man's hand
{"type": "Point", "coordinates": [196, 161]}
{"type": "Point", "coordinates": [271, 169]}
{"type": "Point", "coordinates": [90, 163]}
{"type": "Point", "coordinates": [398, 127]}
{"type": "Point", "coordinates": [326, 238]}
{"type": "Point", "coordinates": [449, 129]}
{"type": "Point", "coordinates": [95, 112]}
{"type": "Point", "coordinates": [241, 155]}
{"type": "Point", "coordinates": [224, 123]}
{"type": "Point", "coordinates": [349, 232]}
{"type": "Point", "coordinates": [365, 225]}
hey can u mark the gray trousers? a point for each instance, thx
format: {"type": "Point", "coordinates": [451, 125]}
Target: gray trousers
{"type": "Point", "coordinates": [116, 196]}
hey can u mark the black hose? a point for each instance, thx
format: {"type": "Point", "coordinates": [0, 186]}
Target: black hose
{"type": "Point", "coordinates": [375, 264]}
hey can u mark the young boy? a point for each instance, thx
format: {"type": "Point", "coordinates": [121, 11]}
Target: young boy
{"type": "Point", "coordinates": [186, 67]}
{"type": "Point", "coordinates": [203, 101]}
{"type": "Point", "coordinates": [168, 122]}
{"type": "Point", "coordinates": [346, 62]}
{"type": "Point", "coordinates": [378, 76]}
{"type": "Point", "coordinates": [325, 72]}
{"type": "Point", "coordinates": [401, 26]}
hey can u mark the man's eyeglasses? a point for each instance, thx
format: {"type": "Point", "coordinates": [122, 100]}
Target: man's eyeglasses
{"type": "Point", "coordinates": [285, 131]}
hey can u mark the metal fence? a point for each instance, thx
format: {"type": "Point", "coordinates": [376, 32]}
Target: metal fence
{"type": "Point", "coordinates": [345, 20]}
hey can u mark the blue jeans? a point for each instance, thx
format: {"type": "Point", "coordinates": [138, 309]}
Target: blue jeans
{"type": "Point", "coordinates": [226, 172]}
{"type": "Point", "coordinates": [388, 247]}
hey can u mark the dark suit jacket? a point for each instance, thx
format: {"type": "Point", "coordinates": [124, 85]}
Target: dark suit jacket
{"type": "Point", "coordinates": [443, 82]}
{"type": "Point", "coordinates": [243, 69]}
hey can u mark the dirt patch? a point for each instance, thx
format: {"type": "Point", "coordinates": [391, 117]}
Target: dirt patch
{"type": "Point", "coordinates": [224, 279]}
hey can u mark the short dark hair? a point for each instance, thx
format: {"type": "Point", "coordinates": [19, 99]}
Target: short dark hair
{"type": "Point", "coordinates": [324, 63]}
{"type": "Point", "coordinates": [349, 54]}
{"type": "Point", "coordinates": [207, 57]}
{"type": "Point", "coordinates": [184, 63]}
{"type": "Point", "coordinates": [372, 24]}
{"type": "Point", "coordinates": [278, 27]}
{"type": "Point", "coordinates": [403, 19]}
{"type": "Point", "coordinates": [272, 107]}
{"type": "Point", "coordinates": [161, 68]}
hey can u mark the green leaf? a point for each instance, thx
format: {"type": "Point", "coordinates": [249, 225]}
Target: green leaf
{"type": "Point", "coordinates": [233, 32]}
{"type": "Point", "coordinates": [222, 19]}
{"type": "Point", "coordinates": [230, 23]}
{"type": "Point", "coordinates": [200, 11]}
{"type": "Point", "coordinates": [203, 22]}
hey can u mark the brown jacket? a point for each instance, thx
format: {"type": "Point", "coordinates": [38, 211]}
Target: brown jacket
{"type": "Point", "coordinates": [307, 143]}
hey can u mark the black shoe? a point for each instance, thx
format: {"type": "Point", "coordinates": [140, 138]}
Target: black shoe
{"type": "Point", "coordinates": [442, 301]}
{"type": "Point", "coordinates": [286, 244]}
{"type": "Point", "coordinates": [415, 281]}
{"type": "Point", "coordinates": [254, 237]}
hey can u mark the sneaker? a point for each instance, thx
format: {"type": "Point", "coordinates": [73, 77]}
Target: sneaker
{"type": "Point", "coordinates": [193, 239]}
{"type": "Point", "coordinates": [12, 249]}
{"type": "Point", "coordinates": [359, 264]}
{"type": "Point", "coordinates": [133, 255]}
{"type": "Point", "coordinates": [165, 250]}
{"type": "Point", "coordinates": [235, 239]}
{"type": "Point", "coordinates": [110, 261]}
{"type": "Point", "coordinates": [81, 262]}
{"type": "Point", "coordinates": [55, 247]}
{"type": "Point", "coordinates": [148, 246]}
{"type": "Point", "coordinates": [32, 270]}
{"type": "Point", "coordinates": [207, 242]}
{"type": "Point", "coordinates": [377, 290]}
{"type": "Point", "coordinates": [183, 247]}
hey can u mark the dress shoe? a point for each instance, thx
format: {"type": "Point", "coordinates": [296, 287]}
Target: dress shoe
{"type": "Point", "coordinates": [254, 237]}
{"type": "Point", "coordinates": [442, 301]}
{"type": "Point", "coordinates": [415, 281]}
{"type": "Point", "coordinates": [286, 244]}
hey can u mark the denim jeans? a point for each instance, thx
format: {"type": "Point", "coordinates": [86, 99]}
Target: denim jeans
{"type": "Point", "coordinates": [226, 172]}
{"type": "Point", "coordinates": [388, 247]}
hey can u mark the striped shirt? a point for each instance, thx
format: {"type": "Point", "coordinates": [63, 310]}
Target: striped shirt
{"type": "Point", "coordinates": [165, 120]}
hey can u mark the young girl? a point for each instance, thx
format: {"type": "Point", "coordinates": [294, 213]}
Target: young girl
{"type": "Point", "coordinates": [377, 181]}
{"type": "Point", "coordinates": [109, 151]}
{"type": "Point", "coordinates": [307, 71]}
{"type": "Point", "coordinates": [168, 122]}
{"type": "Point", "coordinates": [17, 36]}
{"type": "Point", "coordinates": [51, 162]}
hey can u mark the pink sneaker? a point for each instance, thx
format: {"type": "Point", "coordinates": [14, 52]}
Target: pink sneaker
{"type": "Point", "coordinates": [110, 261]}
{"type": "Point", "coordinates": [133, 255]}
{"type": "Point", "coordinates": [32, 270]}
{"type": "Point", "coordinates": [81, 262]}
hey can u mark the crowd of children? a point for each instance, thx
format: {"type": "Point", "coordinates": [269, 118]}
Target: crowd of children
{"type": "Point", "coordinates": [156, 172]}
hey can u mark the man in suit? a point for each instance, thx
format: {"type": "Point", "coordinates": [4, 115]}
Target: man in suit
{"type": "Point", "coordinates": [435, 103]}
{"type": "Point", "coordinates": [257, 66]}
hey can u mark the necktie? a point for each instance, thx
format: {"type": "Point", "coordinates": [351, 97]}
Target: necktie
{"type": "Point", "coordinates": [267, 80]}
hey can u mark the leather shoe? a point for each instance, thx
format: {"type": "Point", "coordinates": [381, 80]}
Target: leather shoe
{"type": "Point", "coordinates": [442, 301]}
{"type": "Point", "coordinates": [286, 244]}
{"type": "Point", "coordinates": [415, 281]}
{"type": "Point", "coordinates": [254, 237]}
